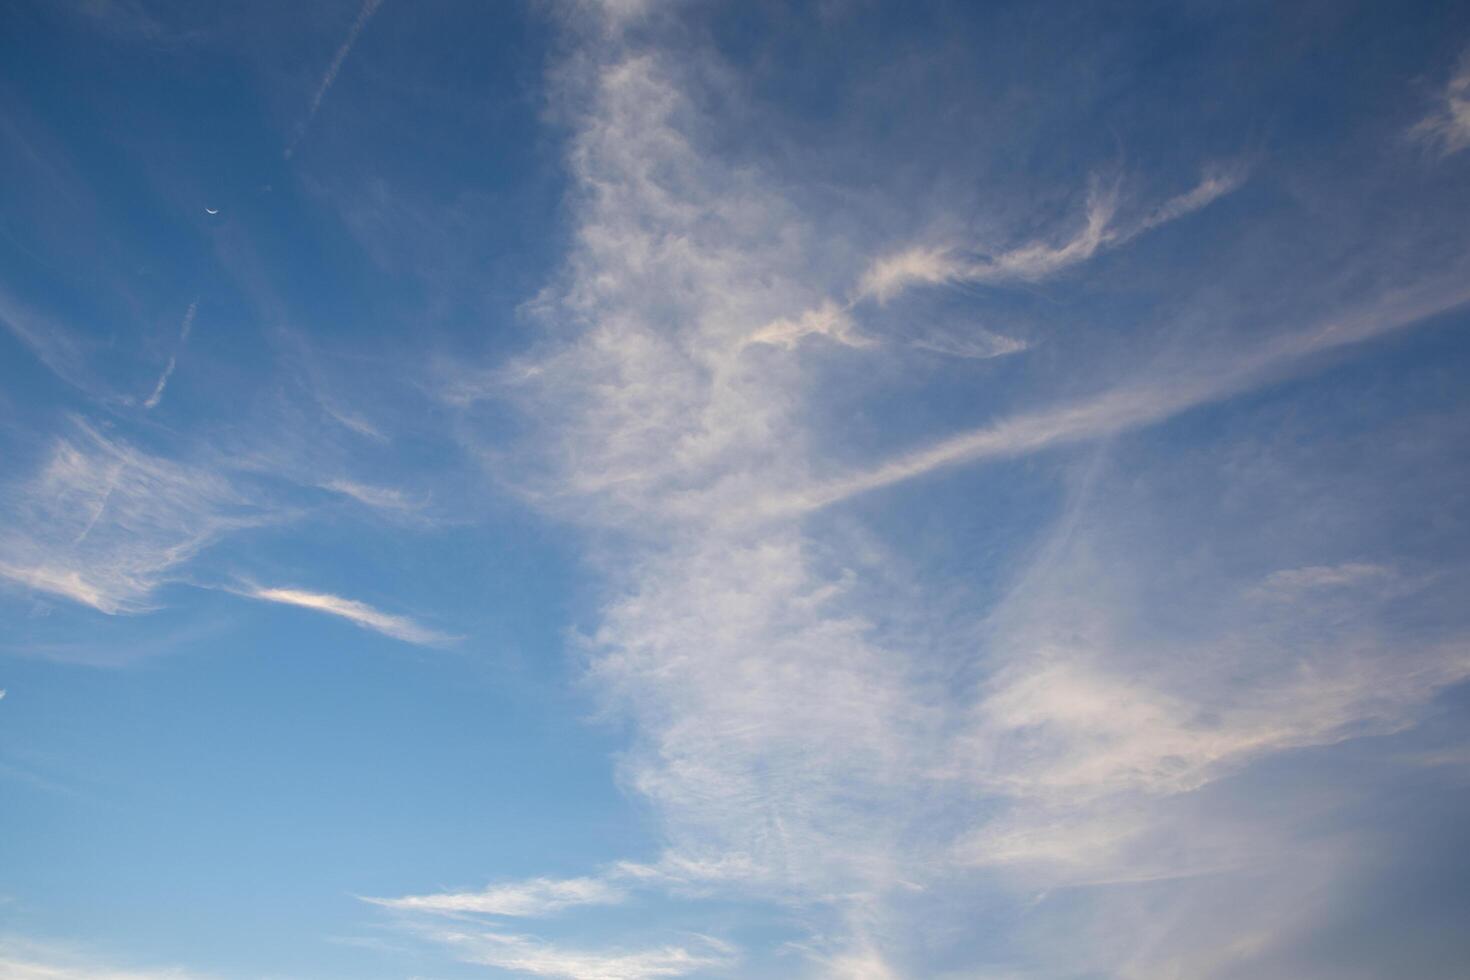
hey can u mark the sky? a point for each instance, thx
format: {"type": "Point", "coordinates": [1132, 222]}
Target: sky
{"type": "Point", "coordinates": [631, 489]}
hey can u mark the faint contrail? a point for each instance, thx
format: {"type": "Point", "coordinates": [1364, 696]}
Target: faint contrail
{"type": "Point", "coordinates": [184, 329]}
{"type": "Point", "coordinates": [369, 7]}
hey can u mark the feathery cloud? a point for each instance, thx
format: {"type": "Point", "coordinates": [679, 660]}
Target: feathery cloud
{"type": "Point", "coordinates": [1447, 128]}
{"type": "Point", "coordinates": [541, 959]}
{"type": "Point", "coordinates": [800, 740]}
{"type": "Point", "coordinates": [104, 524]}
{"type": "Point", "coordinates": [534, 897]}
{"type": "Point", "coordinates": [931, 265]}
{"type": "Point", "coordinates": [1139, 404]}
{"type": "Point", "coordinates": [23, 960]}
{"type": "Point", "coordinates": [358, 613]}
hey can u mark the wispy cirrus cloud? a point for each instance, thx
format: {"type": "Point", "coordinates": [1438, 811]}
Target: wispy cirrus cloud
{"type": "Point", "coordinates": [1143, 403]}
{"type": "Point", "coordinates": [540, 898]}
{"type": "Point", "coordinates": [1446, 129]}
{"type": "Point", "coordinates": [23, 960]}
{"type": "Point", "coordinates": [931, 265]}
{"type": "Point", "coordinates": [531, 957]}
{"type": "Point", "coordinates": [1291, 581]}
{"type": "Point", "coordinates": [533, 897]}
{"type": "Point", "coordinates": [53, 344]}
{"type": "Point", "coordinates": [801, 739]}
{"type": "Point", "coordinates": [358, 613]}
{"type": "Point", "coordinates": [937, 264]}
{"type": "Point", "coordinates": [105, 524]}
{"type": "Point", "coordinates": [382, 498]}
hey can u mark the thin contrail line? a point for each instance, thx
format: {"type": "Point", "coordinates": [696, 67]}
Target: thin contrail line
{"type": "Point", "coordinates": [184, 329]}
{"type": "Point", "coordinates": [369, 7]}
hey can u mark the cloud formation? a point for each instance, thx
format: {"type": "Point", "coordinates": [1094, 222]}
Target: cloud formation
{"type": "Point", "coordinates": [534, 897]}
{"type": "Point", "coordinates": [801, 739]}
{"type": "Point", "coordinates": [21, 960]}
{"type": "Point", "coordinates": [1447, 128]}
{"type": "Point", "coordinates": [106, 524]}
{"type": "Point", "coordinates": [153, 399]}
{"type": "Point", "coordinates": [358, 613]}
{"type": "Point", "coordinates": [932, 265]}
{"type": "Point", "coordinates": [530, 957]}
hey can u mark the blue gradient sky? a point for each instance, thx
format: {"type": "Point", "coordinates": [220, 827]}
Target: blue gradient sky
{"type": "Point", "coordinates": [634, 489]}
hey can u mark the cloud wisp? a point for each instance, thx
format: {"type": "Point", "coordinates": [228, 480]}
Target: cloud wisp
{"type": "Point", "coordinates": [105, 524]}
{"type": "Point", "coordinates": [932, 265]}
{"type": "Point", "coordinates": [534, 897]}
{"type": "Point", "coordinates": [358, 613]}
{"type": "Point", "coordinates": [1138, 404]}
{"type": "Point", "coordinates": [938, 264]}
{"type": "Point", "coordinates": [21, 960]}
{"type": "Point", "coordinates": [380, 498]}
{"type": "Point", "coordinates": [473, 940]}
{"type": "Point", "coordinates": [151, 402]}
{"type": "Point", "coordinates": [789, 737]}
{"type": "Point", "coordinates": [532, 957]}
{"type": "Point", "coordinates": [364, 14]}
{"type": "Point", "coordinates": [1447, 128]}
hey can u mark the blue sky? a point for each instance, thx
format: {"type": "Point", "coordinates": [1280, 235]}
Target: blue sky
{"type": "Point", "coordinates": [635, 489]}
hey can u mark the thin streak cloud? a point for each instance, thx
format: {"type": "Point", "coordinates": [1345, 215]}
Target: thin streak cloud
{"type": "Point", "coordinates": [531, 898]}
{"type": "Point", "coordinates": [369, 7]}
{"type": "Point", "coordinates": [358, 613]}
{"type": "Point", "coordinates": [381, 498]}
{"type": "Point", "coordinates": [1130, 407]}
{"type": "Point", "coordinates": [930, 265]}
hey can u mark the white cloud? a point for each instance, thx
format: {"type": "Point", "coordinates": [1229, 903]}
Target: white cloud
{"type": "Point", "coordinates": [1288, 581]}
{"type": "Point", "coordinates": [105, 524]}
{"type": "Point", "coordinates": [540, 959]}
{"type": "Point", "coordinates": [828, 320]}
{"type": "Point", "coordinates": [1142, 403]}
{"type": "Point", "coordinates": [1214, 185]}
{"type": "Point", "coordinates": [352, 422]}
{"type": "Point", "coordinates": [976, 345]}
{"type": "Point", "coordinates": [795, 744]}
{"type": "Point", "coordinates": [920, 265]}
{"type": "Point", "coordinates": [184, 328]}
{"type": "Point", "coordinates": [1447, 128]}
{"type": "Point", "coordinates": [359, 613]}
{"type": "Point", "coordinates": [533, 897]}
{"type": "Point", "coordinates": [13, 969]}
{"type": "Point", "coordinates": [153, 399]}
{"type": "Point", "coordinates": [383, 498]}
{"type": "Point", "coordinates": [21, 960]}
{"type": "Point", "coordinates": [931, 265]}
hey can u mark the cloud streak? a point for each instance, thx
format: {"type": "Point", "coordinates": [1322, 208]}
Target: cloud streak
{"type": "Point", "coordinates": [540, 959]}
{"type": "Point", "coordinates": [815, 723]}
{"type": "Point", "coordinates": [358, 613]}
{"type": "Point", "coordinates": [184, 328]}
{"type": "Point", "coordinates": [931, 265]}
{"type": "Point", "coordinates": [1136, 405]}
{"type": "Point", "coordinates": [21, 960]}
{"type": "Point", "coordinates": [1447, 128]}
{"type": "Point", "coordinates": [364, 14]}
{"type": "Point", "coordinates": [381, 498]}
{"type": "Point", "coordinates": [105, 524]}
{"type": "Point", "coordinates": [534, 897]}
